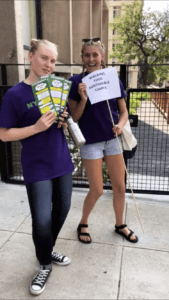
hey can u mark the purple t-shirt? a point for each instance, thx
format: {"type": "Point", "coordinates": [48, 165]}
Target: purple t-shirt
{"type": "Point", "coordinates": [44, 155]}
{"type": "Point", "coordinates": [95, 123]}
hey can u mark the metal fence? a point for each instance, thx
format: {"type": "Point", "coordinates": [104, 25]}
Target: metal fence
{"type": "Point", "coordinates": [161, 101]}
{"type": "Point", "coordinates": [148, 170]}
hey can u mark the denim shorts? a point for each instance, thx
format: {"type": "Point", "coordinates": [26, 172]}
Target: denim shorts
{"type": "Point", "coordinates": [99, 150]}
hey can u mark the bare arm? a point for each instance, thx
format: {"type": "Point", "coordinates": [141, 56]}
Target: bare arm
{"type": "Point", "coordinates": [77, 108]}
{"type": "Point", "coordinates": [14, 134]}
{"type": "Point", "coordinates": [123, 116]}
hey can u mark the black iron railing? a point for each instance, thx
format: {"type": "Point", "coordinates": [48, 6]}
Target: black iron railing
{"type": "Point", "coordinates": [148, 170]}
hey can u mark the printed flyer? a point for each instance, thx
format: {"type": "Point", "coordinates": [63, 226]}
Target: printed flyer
{"type": "Point", "coordinates": [42, 96]}
{"type": "Point", "coordinates": [51, 93]}
{"type": "Point", "coordinates": [56, 86]}
{"type": "Point", "coordinates": [65, 93]}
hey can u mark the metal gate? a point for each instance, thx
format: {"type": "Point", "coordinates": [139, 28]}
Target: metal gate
{"type": "Point", "coordinates": [148, 170]}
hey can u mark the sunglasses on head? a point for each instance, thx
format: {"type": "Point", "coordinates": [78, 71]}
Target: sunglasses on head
{"type": "Point", "coordinates": [89, 40]}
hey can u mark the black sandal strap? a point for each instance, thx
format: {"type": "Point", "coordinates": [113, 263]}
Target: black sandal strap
{"type": "Point", "coordinates": [84, 233]}
{"type": "Point", "coordinates": [82, 225]}
{"type": "Point", "coordinates": [130, 234]}
{"type": "Point", "coordinates": [121, 226]}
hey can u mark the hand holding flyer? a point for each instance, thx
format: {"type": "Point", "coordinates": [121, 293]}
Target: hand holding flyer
{"type": "Point", "coordinates": [51, 93]}
{"type": "Point", "coordinates": [102, 85]}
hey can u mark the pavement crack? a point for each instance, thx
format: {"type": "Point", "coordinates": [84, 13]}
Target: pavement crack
{"type": "Point", "coordinates": [7, 241]}
{"type": "Point", "coordinates": [13, 232]}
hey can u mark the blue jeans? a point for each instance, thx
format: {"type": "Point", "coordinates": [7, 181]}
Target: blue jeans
{"type": "Point", "coordinates": [49, 202]}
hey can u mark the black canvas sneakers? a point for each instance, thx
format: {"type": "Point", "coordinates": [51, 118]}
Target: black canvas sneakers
{"type": "Point", "coordinates": [39, 281]}
{"type": "Point", "coordinates": [60, 259]}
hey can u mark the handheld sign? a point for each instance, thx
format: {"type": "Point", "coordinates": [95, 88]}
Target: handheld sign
{"type": "Point", "coordinates": [102, 85]}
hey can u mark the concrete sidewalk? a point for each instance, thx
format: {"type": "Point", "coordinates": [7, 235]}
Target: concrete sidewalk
{"type": "Point", "coordinates": [108, 268]}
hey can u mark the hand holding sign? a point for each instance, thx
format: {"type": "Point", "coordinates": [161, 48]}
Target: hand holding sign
{"type": "Point", "coordinates": [102, 85]}
{"type": "Point", "coordinates": [82, 91]}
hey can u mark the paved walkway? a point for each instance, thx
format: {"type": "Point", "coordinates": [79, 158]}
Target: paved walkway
{"type": "Point", "coordinates": [109, 268]}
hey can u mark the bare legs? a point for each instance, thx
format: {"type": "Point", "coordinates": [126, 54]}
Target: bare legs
{"type": "Point", "coordinates": [94, 173]}
{"type": "Point", "coordinates": [116, 172]}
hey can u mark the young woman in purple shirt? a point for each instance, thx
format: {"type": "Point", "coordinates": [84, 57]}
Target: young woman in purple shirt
{"type": "Point", "coordinates": [95, 123]}
{"type": "Point", "coordinates": [46, 162]}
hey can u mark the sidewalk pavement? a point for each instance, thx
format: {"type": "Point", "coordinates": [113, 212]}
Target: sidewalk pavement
{"type": "Point", "coordinates": [108, 268]}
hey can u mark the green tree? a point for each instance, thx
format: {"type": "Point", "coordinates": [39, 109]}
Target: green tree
{"type": "Point", "coordinates": [161, 73]}
{"type": "Point", "coordinates": [142, 36]}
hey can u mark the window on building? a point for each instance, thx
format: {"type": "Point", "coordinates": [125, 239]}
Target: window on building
{"type": "Point", "coordinates": [28, 21]}
{"type": "Point", "coordinates": [116, 11]}
{"type": "Point", "coordinates": [113, 46]}
{"type": "Point", "coordinates": [114, 32]}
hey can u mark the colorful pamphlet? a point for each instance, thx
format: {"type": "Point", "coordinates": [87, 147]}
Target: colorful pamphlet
{"type": "Point", "coordinates": [56, 85]}
{"type": "Point", "coordinates": [65, 93]}
{"type": "Point", "coordinates": [42, 96]}
{"type": "Point", "coordinates": [51, 93]}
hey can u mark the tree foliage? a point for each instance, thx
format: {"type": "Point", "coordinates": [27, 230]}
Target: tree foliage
{"type": "Point", "coordinates": [141, 36]}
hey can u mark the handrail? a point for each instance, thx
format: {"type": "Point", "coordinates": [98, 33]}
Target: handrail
{"type": "Point", "coordinates": [161, 101]}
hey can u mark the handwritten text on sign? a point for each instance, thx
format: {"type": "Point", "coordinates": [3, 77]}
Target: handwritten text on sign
{"type": "Point", "coordinates": [102, 85]}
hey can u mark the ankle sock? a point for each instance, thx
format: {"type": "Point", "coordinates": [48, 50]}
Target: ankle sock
{"type": "Point", "coordinates": [48, 267]}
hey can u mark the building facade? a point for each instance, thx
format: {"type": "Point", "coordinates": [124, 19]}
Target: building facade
{"type": "Point", "coordinates": [63, 22]}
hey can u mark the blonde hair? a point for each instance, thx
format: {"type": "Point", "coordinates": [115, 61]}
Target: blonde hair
{"type": "Point", "coordinates": [99, 45]}
{"type": "Point", "coordinates": [35, 44]}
